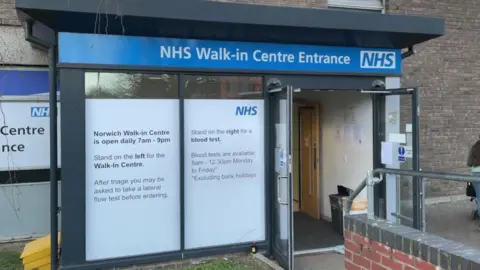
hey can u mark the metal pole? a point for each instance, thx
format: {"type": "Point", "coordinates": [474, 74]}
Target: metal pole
{"type": "Point", "coordinates": [417, 189]}
{"type": "Point", "coordinates": [424, 219]}
{"type": "Point", "coordinates": [53, 158]}
{"type": "Point", "coordinates": [181, 135]}
{"type": "Point", "coordinates": [402, 217]}
{"type": "Point", "coordinates": [355, 193]}
{"type": "Point", "coordinates": [377, 145]}
{"type": "Point", "coordinates": [422, 174]}
{"type": "Point", "coordinates": [370, 196]}
{"type": "Point", "coordinates": [433, 175]}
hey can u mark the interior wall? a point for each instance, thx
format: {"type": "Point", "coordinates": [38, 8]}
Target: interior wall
{"type": "Point", "coordinates": [346, 141]}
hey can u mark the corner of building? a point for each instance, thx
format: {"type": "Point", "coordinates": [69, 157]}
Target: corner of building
{"type": "Point", "coordinates": [446, 70]}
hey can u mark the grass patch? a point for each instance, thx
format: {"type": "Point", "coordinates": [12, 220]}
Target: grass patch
{"type": "Point", "coordinates": [240, 263]}
{"type": "Point", "coordinates": [219, 265]}
{"type": "Point", "coordinates": [10, 260]}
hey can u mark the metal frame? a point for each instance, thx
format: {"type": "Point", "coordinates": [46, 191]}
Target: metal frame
{"type": "Point", "coordinates": [417, 182]}
{"type": "Point", "coordinates": [378, 103]}
{"type": "Point", "coordinates": [54, 209]}
{"type": "Point", "coordinates": [274, 197]}
{"type": "Point", "coordinates": [32, 98]}
{"type": "Point", "coordinates": [326, 82]}
{"type": "Point", "coordinates": [273, 194]}
{"type": "Point", "coordinates": [269, 166]}
{"type": "Point", "coordinates": [293, 75]}
{"type": "Point", "coordinates": [378, 97]}
{"type": "Point", "coordinates": [370, 180]}
{"type": "Point", "coordinates": [73, 134]}
{"type": "Point", "coordinates": [291, 263]}
{"type": "Point", "coordinates": [181, 113]}
{"type": "Point", "coordinates": [73, 221]}
{"type": "Point", "coordinates": [378, 112]}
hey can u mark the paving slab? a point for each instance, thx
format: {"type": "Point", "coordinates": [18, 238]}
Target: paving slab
{"type": "Point", "coordinates": [323, 261]}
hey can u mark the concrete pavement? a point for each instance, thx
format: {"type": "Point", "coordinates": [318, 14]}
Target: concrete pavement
{"type": "Point", "coordinates": [453, 221]}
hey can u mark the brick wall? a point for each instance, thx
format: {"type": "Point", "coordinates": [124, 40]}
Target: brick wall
{"type": "Point", "coordinates": [362, 253]}
{"type": "Point", "coordinates": [8, 14]}
{"type": "Point", "coordinates": [380, 245]}
{"type": "Point", "coordinates": [14, 49]}
{"type": "Point", "coordinates": [448, 71]}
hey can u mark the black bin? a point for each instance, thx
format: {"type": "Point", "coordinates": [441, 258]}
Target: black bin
{"type": "Point", "coordinates": [336, 207]}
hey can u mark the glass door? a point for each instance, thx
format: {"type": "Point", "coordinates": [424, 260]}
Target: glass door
{"type": "Point", "coordinates": [396, 113]}
{"type": "Point", "coordinates": [281, 119]}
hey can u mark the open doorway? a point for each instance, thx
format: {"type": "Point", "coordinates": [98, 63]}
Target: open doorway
{"type": "Point", "coordinates": [332, 144]}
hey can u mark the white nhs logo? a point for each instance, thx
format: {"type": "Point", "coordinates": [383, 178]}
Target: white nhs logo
{"type": "Point", "coordinates": [39, 111]}
{"type": "Point", "coordinates": [377, 59]}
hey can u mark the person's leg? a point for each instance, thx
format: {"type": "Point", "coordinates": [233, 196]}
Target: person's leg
{"type": "Point", "coordinates": [477, 191]}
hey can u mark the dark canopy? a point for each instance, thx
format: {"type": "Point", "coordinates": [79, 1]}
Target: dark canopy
{"type": "Point", "coordinates": [232, 21]}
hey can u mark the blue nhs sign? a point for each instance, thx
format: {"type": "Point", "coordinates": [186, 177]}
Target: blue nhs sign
{"type": "Point", "coordinates": [377, 60]}
{"type": "Point", "coordinates": [246, 110]}
{"type": "Point", "coordinates": [39, 111]}
{"type": "Point", "coordinates": [96, 49]}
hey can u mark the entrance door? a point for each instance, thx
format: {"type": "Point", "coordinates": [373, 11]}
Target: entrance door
{"type": "Point", "coordinates": [394, 124]}
{"type": "Point", "coordinates": [308, 168]}
{"type": "Point", "coordinates": [281, 118]}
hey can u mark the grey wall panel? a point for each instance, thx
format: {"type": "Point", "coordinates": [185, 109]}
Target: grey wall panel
{"type": "Point", "coordinates": [24, 211]}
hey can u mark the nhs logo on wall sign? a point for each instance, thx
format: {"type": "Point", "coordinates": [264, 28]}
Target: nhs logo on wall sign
{"type": "Point", "coordinates": [378, 59]}
{"type": "Point", "coordinates": [190, 54]}
{"type": "Point", "coordinates": [39, 111]}
{"type": "Point", "coordinates": [246, 110]}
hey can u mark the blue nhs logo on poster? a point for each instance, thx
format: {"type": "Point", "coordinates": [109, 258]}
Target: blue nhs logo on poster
{"type": "Point", "coordinates": [39, 111]}
{"type": "Point", "coordinates": [377, 59]}
{"type": "Point", "coordinates": [246, 110]}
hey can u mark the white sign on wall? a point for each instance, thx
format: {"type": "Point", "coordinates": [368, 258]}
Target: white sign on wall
{"type": "Point", "coordinates": [132, 177]}
{"type": "Point", "coordinates": [224, 172]}
{"type": "Point", "coordinates": [25, 135]}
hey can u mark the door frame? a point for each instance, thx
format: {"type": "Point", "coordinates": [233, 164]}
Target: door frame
{"type": "Point", "coordinates": [287, 262]}
{"type": "Point", "coordinates": [379, 135]}
{"type": "Point", "coordinates": [308, 83]}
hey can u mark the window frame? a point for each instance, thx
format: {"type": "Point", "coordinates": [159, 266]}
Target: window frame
{"type": "Point", "coordinates": [344, 6]}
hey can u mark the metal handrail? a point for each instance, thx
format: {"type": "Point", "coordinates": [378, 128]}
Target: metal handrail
{"type": "Point", "coordinates": [370, 181]}
{"type": "Point", "coordinates": [400, 216]}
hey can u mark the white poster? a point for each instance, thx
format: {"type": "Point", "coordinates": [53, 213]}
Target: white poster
{"type": "Point", "coordinates": [132, 177]}
{"type": "Point", "coordinates": [25, 135]}
{"type": "Point", "coordinates": [224, 172]}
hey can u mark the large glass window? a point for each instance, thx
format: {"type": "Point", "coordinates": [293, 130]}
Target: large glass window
{"type": "Point", "coordinates": [224, 160]}
{"type": "Point", "coordinates": [133, 168]}
{"type": "Point", "coordinates": [102, 85]}
{"type": "Point", "coordinates": [132, 164]}
{"type": "Point", "coordinates": [223, 87]}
